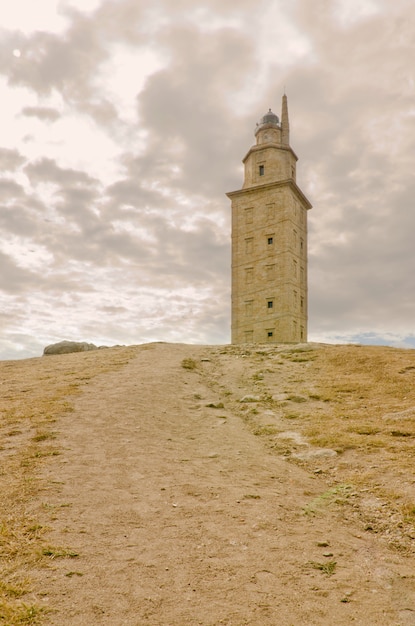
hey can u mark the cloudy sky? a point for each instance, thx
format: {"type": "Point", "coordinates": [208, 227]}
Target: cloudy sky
{"type": "Point", "coordinates": [123, 125]}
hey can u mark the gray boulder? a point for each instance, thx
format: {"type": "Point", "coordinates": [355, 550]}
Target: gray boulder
{"type": "Point", "coordinates": [65, 347]}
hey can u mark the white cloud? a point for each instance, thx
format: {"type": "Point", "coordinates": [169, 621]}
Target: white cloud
{"type": "Point", "coordinates": [26, 253]}
{"type": "Point", "coordinates": [348, 12]}
{"type": "Point", "coordinates": [12, 101]}
{"type": "Point", "coordinates": [80, 5]}
{"type": "Point", "coordinates": [28, 16]}
{"type": "Point", "coordinates": [122, 77]}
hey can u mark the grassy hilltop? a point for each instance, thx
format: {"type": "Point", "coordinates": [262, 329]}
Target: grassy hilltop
{"type": "Point", "coordinates": [345, 414]}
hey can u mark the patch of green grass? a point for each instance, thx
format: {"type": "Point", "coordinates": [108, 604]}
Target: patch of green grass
{"type": "Point", "coordinates": [44, 436]}
{"type": "Point", "coordinates": [327, 568]}
{"type": "Point", "coordinates": [59, 553]}
{"type": "Point", "coordinates": [335, 495]}
{"type": "Point", "coordinates": [43, 453]}
{"type": "Point", "coordinates": [20, 614]}
{"type": "Point", "coordinates": [15, 589]}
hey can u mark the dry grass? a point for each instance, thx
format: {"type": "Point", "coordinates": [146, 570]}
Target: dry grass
{"type": "Point", "coordinates": [34, 393]}
{"type": "Point", "coordinates": [356, 400]}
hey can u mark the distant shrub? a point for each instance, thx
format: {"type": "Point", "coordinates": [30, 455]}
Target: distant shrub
{"type": "Point", "coordinates": [189, 364]}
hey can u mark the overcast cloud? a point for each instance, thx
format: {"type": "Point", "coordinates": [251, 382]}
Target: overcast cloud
{"type": "Point", "coordinates": [124, 124]}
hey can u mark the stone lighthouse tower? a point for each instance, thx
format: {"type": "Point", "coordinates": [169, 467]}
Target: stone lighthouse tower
{"type": "Point", "coordinates": [269, 241]}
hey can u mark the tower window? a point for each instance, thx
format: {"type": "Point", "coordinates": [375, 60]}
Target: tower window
{"type": "Point", "coordinates": [270, 271]}
{"type": "Point", "coordinates": [249, 308]}
{"type": "Point", "coordinates": [261, 170]}
{"type": "Point", "coordinates": [249, 216]}
{"type": "Point", "coordinates": [249, 275]}
{"type": "Point", "coordinates": [270, 333]}
{"type": "Point", "coordinates": [270, 241]}
{"type": "Point", "coordinates": [249, 245]}
{"type": "Point", "coordinates": [270, 304]}
{"type": "Point", "coordinates": [249, 336]}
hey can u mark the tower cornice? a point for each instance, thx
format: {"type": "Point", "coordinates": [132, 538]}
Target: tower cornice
{"type": "Point", "coordinates": [268, 186]}
{"type": "Point", "coordinates": [265, 146]}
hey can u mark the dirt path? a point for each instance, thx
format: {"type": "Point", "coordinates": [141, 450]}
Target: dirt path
{"type": "Point", "coordinates": [180, 515]}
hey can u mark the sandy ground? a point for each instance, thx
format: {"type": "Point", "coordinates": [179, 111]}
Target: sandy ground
{"type": "Point", "coordinates": [180, 515]}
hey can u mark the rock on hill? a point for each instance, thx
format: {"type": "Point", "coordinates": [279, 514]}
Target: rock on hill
{"type": "Point", "coordinates": [178, 484]}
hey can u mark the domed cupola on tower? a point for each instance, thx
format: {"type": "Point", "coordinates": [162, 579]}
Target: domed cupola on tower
{"type": "Point", "coordinates": [268, 118]}
{"type": "Point", "coordinates": [268, 130]}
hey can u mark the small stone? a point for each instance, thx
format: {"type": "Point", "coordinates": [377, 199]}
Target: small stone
{"type": "Point", "coordinates": [249, 398]}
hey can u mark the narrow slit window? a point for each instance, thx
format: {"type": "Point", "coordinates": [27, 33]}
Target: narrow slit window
{"type": "Point", "coordinates": [270, 241]}
{"type": "Point", "coordinates": [249, 245]}
{"type": "Point", "coordinates": [249, 336]}
{"type": "Point", "coordinates": [270, 304]}
{"type": "Point", "coordinates": [270, 272]}
{"type": "Point", "coordinates": [261, 170]}
{"type": "Point", "coordinates": [249, 308]}
{"type": "Point", "coordinates": [249, 216]}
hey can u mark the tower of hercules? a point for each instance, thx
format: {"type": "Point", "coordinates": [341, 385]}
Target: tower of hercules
{"type": "Point", "coordinates": [269, 241]}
